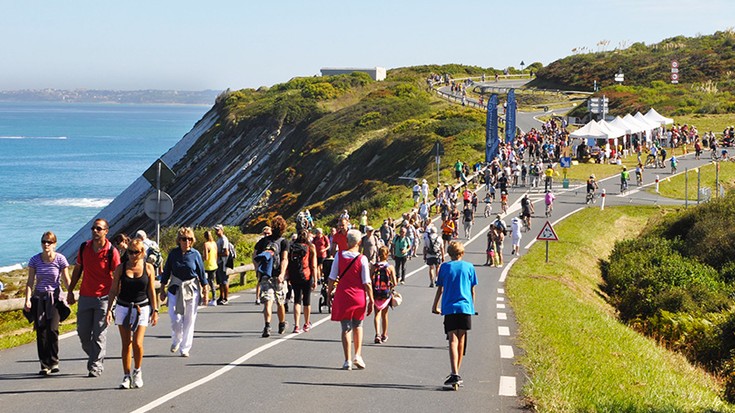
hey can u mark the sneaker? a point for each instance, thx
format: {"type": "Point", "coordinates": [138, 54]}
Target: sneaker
{"type": "Point", "coordinates": [307, 327]}
{"type": "Point", "coordinates": [174, 348]}
{"type": "Point", "coordinates": [257, 301]}
{"type": "Point", "coordinates": [184, 354]}
{"type": "Point", "coordinates": [266, 332]}
{"type": "Point", "coordinates": [219, 301]}
{"type": "Point", "coordinates": [224, 301]}
{"type": "Point", "coordinates": [44, 372]}
{"type": "Point", "coordinates": [358, 362]}
{"type": "Point", "coordinates": [94, 373]}
{"type": "Point", "coordinates": [282, 327]}
{"type": "Point", "coordinates": [383, 338]}
{"type": "Point", "coordinates": [453, 379]}
{"type": "Point", "coordinates": [378, 340]}
{"type": "Point", "coordinates": [431, 285]}
{"type": "Point", "coordinates": [137, 379]}
{"type": "Point", "coordinates": [55, 369]}
{"type": "Point", "coordinates": [296, 330]}
{"type": "Point", "coordinates": [213, 303]}
{"type": "Point", "coordinates": [125, 383]}
{"type": "Point", "coordinates": [402, 282]}
{"type": "Point", "coordinates": [347, 365]}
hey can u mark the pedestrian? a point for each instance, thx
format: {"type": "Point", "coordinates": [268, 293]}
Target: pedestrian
{"type": "Point", "coordinates": [209, 253]}
{"type": "Point", "coordinates": [271, 259]}
{"type": "Point", "coordinates": [416, 193]}
{"type": "Point", "coordinates": [46, 271]}
{"type": "Point", "coordinates": [515, 235]}
{"type": "Point", "coordinates": [447, 231]}
{"type": "Point", "coordinates": [321, 244]}
{"type": "Point", "coordinates": [223, 255]}
{"type": "Point", "coordinates": [383, 281]}
{"type": "Point", "coordinates": [152, 251]}
{"type": "Point", "coordinates": [456, 290]}
{"type": "Point", "coordinates": [433, 253]}
{"type": "Point", "coordinates": [468, 218]}
{"type": "Point", "coordinates": [386, 232]}
{"type": "Point", "coordinates": [184, 275]}
{"type": "Point", "coordinates": [369, 245]}
{"type": "Point", "coordinates": [266, 232]}
{"type": "Point", "coordinates": [363, 221]}
{"type": "Point", "coordinates": [351, 275]}
{"type": "Point", "coordinates": [96, 260]}
{"type": "Point", "coordinates": [339, 239]}
{"type": "Point", "coordinates": [302, 277]}
{"type": "Point", "coordinates": [400, 251]}
{"type": "Point", "coordinates": [121, 241]}
{"type": "Point", "coordinates": [133, 286]}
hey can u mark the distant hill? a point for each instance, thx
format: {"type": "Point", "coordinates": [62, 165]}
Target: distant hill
{"type": "Point", "coordinates": [203, 97]}
{"type": "Point", "coordinates": [706, 75]}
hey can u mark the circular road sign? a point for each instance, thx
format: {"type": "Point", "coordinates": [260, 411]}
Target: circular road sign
{"type": "Point", "coordinates": [674, 76]}
{"type": "Point", "coordinates": [158, 211]}
{"type": "Point", "coordinates": [674, 64]}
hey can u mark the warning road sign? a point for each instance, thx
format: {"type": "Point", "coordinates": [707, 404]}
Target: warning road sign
{"type": "Point", "coordinates": [547, 233]}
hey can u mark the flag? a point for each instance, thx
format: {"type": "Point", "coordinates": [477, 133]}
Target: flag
{"type": "Point", "coordinates": [491, 129]}
{"type": "Point", "coordinates": [510, 117]}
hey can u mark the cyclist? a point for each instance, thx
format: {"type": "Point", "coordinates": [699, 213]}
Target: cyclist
{"type": "Point", "coordinates": [662, 152]}
{"type": "Point", "coordinates": [652, 156]}
{"type": "Point", "coordinates": [639, 174]}
{"type": "Point", "coordinates": [591, 188]}
{"type": "Point", "coordinates": [549, 201]}
{"type": "Point", "coordinates": [526, 210]}
{"type": "Point", "coordinates": [624, 178]}
{"type": "Point", "coordinates": [488, 205]}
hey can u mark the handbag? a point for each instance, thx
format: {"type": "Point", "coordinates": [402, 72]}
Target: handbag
{"type": "Point", "coordinates": [396, 300]}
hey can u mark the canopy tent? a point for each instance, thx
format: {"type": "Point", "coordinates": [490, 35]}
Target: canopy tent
{"type": "Point", "coordinates": [591, 130]}
{"type": "Point", "coordinates": [654, 116]}
{"type": "Point", "coordinates": [628, 127]}
{"type": "Point", "coordinates": [651, 125]}
{"type": "Point", "coordinates": [645, 127]}
{"type": "Point", "coordinates": [614, 131]}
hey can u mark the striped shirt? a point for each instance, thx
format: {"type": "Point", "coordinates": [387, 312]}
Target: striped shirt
{"type": "Point", "coordinates": [47, 273]}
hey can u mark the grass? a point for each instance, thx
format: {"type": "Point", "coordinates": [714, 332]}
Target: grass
{"type": "Point", "coordinates": [675, 187]}
{"type": "Point", "coordinates": [578, 355]}
{"type": "Point", "coordinates": [706, 123]}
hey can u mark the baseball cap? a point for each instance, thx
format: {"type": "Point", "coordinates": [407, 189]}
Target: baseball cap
{"type": "Point", "coordinates": [141, 234]}
{"type": "Point", "coordinates": [219, 227]}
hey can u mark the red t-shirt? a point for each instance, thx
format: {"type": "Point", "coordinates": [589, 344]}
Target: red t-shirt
{"type": "Point", "coordinates": [340, 240]}
{"type": "Point", "coordinates": [97, 270]}
{"type": "Point", "coordinates": [322, 246]}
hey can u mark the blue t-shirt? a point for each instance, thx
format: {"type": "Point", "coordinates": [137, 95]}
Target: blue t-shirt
{"type": "Point", "coordinates": [457, 279]}
{"type": "Point", "coordinates": [184, 266]}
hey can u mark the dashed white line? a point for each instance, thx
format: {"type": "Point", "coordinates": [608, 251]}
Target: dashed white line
{"type": "Point", "coordinates": [502, 316]}
{"type": "Point", "coordinates": [501, 291]}
{"type": "Point", "coordinates": [506, 352]}
{"type": "Point", "coordinates": [507, 386]}
{"type": "Point", "coordinates": [500, 306]}
{"type": "Point", "coordinates": [500, 299]}
{"type": "Point", "coordinates": [504, 331]}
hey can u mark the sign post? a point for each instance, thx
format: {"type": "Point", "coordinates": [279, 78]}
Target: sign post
{"type": "Point", "coordinates": [438, 152]}
{"type": "Point", "coordinates": [547, 234]}
{"type": "Point", "coordinates": [158, 175]}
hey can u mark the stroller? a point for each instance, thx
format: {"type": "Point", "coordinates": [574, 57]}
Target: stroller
{"type": "Point", "coordinates": [324, 300]}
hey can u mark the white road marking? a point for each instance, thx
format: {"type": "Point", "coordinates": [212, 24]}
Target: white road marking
{"type": "Point", "coordinates": [507, 386]}
{"type": "Point", "coordinates": [506, 352]}
{"type": "Point", "coordinates": [191, 386]}
{"type": "Point", "coordinates": [503, 331]}
{"type": "Point", "coordinates": [502, 316]}
{"type": "Point", "coordinates": [506, 270]}
{"type": "Point", "coordinates": [500, 306]}
{"type": "Point", "coordinates": [501, 291]}
{"type": "Point", "coordinates": [500, 299]}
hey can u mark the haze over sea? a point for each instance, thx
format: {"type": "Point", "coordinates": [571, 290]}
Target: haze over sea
{"type": "Point", "coordinates": [61, 163]}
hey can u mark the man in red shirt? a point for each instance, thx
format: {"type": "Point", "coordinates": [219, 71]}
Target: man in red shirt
{"type": "Point", "coordinates": [321, 242]}
{"type": "Point", "coordinates": [97, 259]}
{"type": "Point", "coordinates": [339, 240]}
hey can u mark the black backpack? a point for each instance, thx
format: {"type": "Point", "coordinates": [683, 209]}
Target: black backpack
{"type": "Point", "coordinates": [381, 281]}
{"type": "Point", "coordinates": [297, 260]}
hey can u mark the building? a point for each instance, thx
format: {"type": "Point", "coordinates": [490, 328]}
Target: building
{"type": "Point", "coordinates": [377, 73]}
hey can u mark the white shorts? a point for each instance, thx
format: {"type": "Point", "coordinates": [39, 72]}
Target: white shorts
{"type": "Point", "coordinates": [122, 311]}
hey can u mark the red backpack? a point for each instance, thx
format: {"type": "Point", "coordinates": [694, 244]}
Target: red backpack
{"type": "Point", "coordinates": [298, 263]}
{"type": "Point", "coordinates": [381, 281]}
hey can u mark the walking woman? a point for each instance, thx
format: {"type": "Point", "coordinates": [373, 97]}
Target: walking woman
{"type": "Point", "coordinates": [137, 307]}
{"type": "Point", "coordinates": [210, 263]}
{"type": "Point", "coordinates": [45, 272]}
{"type": "Point", "coordinates": [384, 280]}
{"type": "Point", "coordinates": [302, 278]}
{"type": "Point", "coordinates": [188, 285]}
{"type": "Point", "coordinates": [351, 273]}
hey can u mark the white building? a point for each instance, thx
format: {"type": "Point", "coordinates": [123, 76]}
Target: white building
{"type": "Point", "coordinates": [377, 73]}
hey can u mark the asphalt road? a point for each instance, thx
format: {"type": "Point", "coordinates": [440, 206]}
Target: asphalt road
{"type": "Point", "coordinates": [232, 368]}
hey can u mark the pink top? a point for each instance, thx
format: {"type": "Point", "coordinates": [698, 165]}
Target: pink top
{"type": "Point", "coordinates": [350, 302]}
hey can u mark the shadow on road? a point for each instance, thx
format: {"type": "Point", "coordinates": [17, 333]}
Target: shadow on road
{"type": "Point", "coordinates": [370, 385]}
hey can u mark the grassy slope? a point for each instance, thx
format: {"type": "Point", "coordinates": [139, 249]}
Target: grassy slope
{"type": "Point", "coordinates": [675, 187]}
{"type": "Point", "coordinates": [579, 357]}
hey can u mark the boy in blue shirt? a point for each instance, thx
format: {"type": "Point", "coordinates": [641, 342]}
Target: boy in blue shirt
{"type": "Point", "coordinates": [456, 288]}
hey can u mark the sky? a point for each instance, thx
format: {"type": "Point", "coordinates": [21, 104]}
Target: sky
{"type": "Point", "coordinates": [220, 44]}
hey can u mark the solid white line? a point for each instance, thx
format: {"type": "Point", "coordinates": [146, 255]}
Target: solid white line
{"type": "Point", "coordinates": [500, 306]}
{"type": "Point", "coordinates": [67, 335]}
{"type": "Point", "coordinates": [504, 273]}
{"type": "Point", "coordinates": [507, 386]}
{"type": "Point", "coordinates": [506, 352]}
{"type": "Point", "coordinates": [503, 331]}
{"type": "Point", "coordinates": [219, 372]}
{"type": "Point", "coordinates": [502, 316]}
{"type": "Point", "coordinates": [501, 291]}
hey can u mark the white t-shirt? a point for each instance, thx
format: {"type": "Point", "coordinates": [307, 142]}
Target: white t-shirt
{"type": "Point", "coordinates": [515, 227]}
{"type": "Point", "coordinates": [365, 272]}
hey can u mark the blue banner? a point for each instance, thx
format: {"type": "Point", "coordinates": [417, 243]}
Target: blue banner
{"type": "Point", "coordinates": [491, 129]}
{"type": "Point", "coordinates": [510, 117]}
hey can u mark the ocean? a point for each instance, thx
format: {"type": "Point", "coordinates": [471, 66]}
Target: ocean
{"type": "Point", "coordinates": [62, 163]}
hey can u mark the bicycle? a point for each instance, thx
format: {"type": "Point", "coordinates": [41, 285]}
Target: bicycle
{"type": "Point", "coordinates": [549, 208]}
{"type": "Point", "coordinates": [526, 221]}
{"type": "Point", "coordinates": [488, 210]}
{"type": "Point", "coordinates": [590, 197]}
{"type": "Point", "coordinates": [638, 178]}
{"type": "Point", "coordinates": [623, 186]}
{"type": "Point", "coordinates": [504, 206]}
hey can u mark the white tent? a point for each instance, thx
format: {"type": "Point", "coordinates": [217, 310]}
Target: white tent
{"type": "Point", "coordinates": [654, 116]}
{"type": "Point", "coordinates": [628, 127]}
{"type": "Point", "coordinates": [651, 125]}
{"type": "Point", "coordinates": [614, 131]}
{"type": "Point", "coordinates": [644, 126]}
{"type": "Point", "coordinates": [591, 131]}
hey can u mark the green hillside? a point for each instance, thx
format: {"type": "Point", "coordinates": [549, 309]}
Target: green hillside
{"type": "Point", "coordinates": [706, 84]}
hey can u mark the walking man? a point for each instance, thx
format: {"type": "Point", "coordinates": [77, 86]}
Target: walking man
{"type": "Point", "coordinates": [97, 260]}
{"type": "Point", "coordinates": [433, 253]}
{"type": "Point", "coordinates": [223, 254]}
{"type": "Point", "coordinates": [456, 289]}
{"type": "Point", "coordinates": [401, 247]}
{"type": "Point", "coordinates": [271, 262]}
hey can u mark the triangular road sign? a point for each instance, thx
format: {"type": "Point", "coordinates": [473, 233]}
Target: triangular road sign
{"type": "Point", "coordinates": [547, 233]}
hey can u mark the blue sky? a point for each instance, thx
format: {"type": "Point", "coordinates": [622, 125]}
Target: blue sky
{"type": "Point", "coordinates": [194, 45]}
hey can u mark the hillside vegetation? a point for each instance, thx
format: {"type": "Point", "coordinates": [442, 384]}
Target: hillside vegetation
{"type": "Point", "coordinates": [707, 78]}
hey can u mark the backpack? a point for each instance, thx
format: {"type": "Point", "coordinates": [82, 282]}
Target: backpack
{"type": "Point", "coordinates": [298, 263]}
{"type": "Point", "coordinates": [501, 226]}
{"type": "Point", "coordinates": [274, 261]}
{"type": "Point", "coordinates": [435, 246]}
{"type": "Point", "coordinates": [381, 281]}
{"type": "Point", "coordinates": [232, 255]}
{"type": "Point", "coordinates": [153, 256]}
{"type": "Point", "coordinates": [301, 222]}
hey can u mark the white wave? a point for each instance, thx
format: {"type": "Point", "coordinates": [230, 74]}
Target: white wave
{"type": "Point", "coordinates": [9, 268]}
{"type": "Point", "coordinates": [96, 203]}
{"type": "Point", "coordinates": [48, 138]}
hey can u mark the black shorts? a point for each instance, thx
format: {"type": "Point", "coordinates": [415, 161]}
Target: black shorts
{"type": "Point", "coordinates": [302, 293]}
{"type": "Point", "coordinates": [447, 237]}
{"type": "Point", "coordinates": [432, 261]}
{"type": "Point", "coordinates": [457, 322]}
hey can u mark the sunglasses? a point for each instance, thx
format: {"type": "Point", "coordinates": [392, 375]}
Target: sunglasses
{"type": "Point", "coordinates": [46, 242]}
{"type": "Point", "coordinates": [98, 228]}
{"type": "Point", "coordinates": [186, 239]}
{"type": "Point", "coordinates": [134, 252]}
